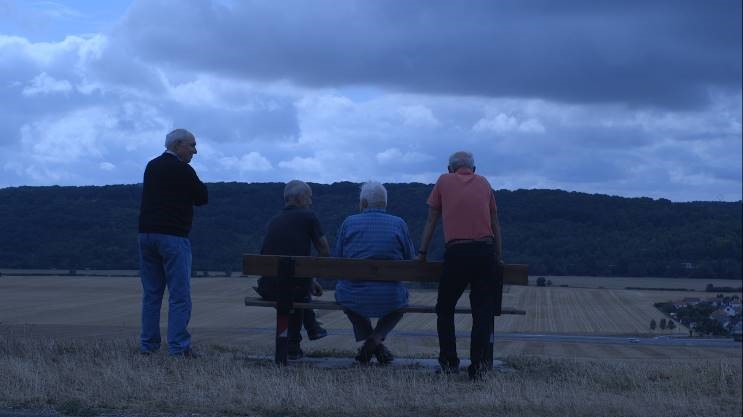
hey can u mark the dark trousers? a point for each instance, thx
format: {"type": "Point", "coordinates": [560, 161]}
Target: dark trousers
{"type": "Point", "coordinates": [269, 290]}
{"type": "Point", "coordinates": [362, 327]}
{"type": "Point", "coordinates": [473, 264]}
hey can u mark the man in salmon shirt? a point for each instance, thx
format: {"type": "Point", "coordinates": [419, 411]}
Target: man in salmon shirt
{"type": "Point", "coordinates": [465, 202]}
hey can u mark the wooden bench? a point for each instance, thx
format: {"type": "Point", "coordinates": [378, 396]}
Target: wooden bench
{"type": "Point", "coordinates": [285, 268]}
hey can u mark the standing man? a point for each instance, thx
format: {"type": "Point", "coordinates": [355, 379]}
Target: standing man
{"type": "Point", "coordinates": [466, 204]}
{"type": "Point", "coordinates": [171, 189]}
{"type": "Point", "coordinates": [293, 232]}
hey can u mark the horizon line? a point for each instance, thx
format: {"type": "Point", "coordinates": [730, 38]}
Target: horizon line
{"type": "Point", "coordinates": [388, 183]}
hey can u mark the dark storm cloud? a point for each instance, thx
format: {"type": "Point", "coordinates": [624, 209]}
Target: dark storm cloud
{"type": "Point", "coordinates": [660, 53]}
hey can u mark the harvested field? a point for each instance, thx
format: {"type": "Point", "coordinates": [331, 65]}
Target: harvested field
{"type": "Point", "coordinates": [587, 310]}
{"type": "Point", "coordinates": [75, 307]}
{"type": "Point", "coordinates": [218, 303]}
{"type": "Point", "coordinates": [697, 284]}
{"type": "Point", "coordinates": [90, 377]}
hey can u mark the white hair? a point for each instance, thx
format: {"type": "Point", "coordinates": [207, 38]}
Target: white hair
{"type": "Point", "coordinates": [176, 136]}
{"type": "Point", "coordinates": [461, 159]}
{"type": "Point", "coordinates": [296, 189]}
{"type": "Point", "coordinates": [374, 193]}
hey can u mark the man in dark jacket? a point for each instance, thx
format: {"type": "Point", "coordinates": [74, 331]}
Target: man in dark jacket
{"type": "Point", "coordinates": [171, 189]}
{"type": "Point", "coordinates": [294, 231]}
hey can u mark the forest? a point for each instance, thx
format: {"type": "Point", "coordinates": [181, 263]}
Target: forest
{"type": "Point", "coordinates": [555, 232]}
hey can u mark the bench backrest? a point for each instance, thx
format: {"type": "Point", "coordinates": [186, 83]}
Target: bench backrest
{"type": "Point", "coordinates": [361, 269]}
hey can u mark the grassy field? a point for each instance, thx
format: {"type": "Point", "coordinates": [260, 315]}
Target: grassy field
{"type": "Point", "coordinates": [69, 343]}
{"type": "Point", "coordinates": [96, 376]}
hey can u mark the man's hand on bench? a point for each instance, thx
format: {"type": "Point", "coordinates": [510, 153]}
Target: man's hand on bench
{"type": "Point", "coordinates": [316, 289]}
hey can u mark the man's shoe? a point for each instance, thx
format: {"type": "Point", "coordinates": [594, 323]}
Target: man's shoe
{"type": "Point", "coordinates": [317, 333]}
{"type": "Point", "coordinates": [477, 372]}
{"type": "Point", "coordinates": [364, 357]}
{"type": "Point", "coordinates": [188, 354]}
{"type": "Point", "coordinates": [383, 355]}
{"type": "Point", "coordinates": [448, 367]}
{"type": "Point", "coordinates": [365, 353]}
{"type": "Point", "coordinates": [295, 354]}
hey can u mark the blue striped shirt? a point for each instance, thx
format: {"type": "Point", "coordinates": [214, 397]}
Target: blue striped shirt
{"type": "Point", "coordinates": [373, 234]}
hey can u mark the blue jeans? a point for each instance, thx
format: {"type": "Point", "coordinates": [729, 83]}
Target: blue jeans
{"type": "Point", "coordinates": [165, 260]}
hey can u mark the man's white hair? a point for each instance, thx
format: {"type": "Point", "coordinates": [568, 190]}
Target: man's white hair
{"type": "Point", "coordinates": [461, 159]}
{"type": "Point", "coordinates": [374, 193]}
{"type": "Point", "coordinates": [295, 189]}
{"type": "Point", "coordinates": [177, 135]}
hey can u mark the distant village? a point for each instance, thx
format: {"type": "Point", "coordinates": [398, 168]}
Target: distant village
{"type": "Point", "coordinates": [713, 316]}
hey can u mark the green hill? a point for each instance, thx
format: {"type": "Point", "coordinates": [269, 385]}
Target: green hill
{"type": "Point", "coordinates": [555, 232]}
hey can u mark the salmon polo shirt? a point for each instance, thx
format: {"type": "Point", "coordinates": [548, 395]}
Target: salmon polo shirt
{"type": "Point", "coordinates": [465, 200]}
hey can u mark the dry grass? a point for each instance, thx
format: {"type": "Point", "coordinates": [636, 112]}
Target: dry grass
{"type": "Point", "coordinates": [83, 377]}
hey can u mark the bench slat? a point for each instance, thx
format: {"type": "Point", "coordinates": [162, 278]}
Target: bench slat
{"type": "Point", "coordinates": [330, 305]}
{"type": "Point", "coordinates": [365, 269]}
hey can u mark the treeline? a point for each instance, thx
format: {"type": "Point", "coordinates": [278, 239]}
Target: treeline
{"type": "Point", "coordinates": [555, 232]}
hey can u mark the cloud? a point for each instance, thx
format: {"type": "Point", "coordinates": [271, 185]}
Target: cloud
{"type": "Point", "coordinates": [299, 164]}
{"type": "Point", "coordinates": [56, 10]}
{"type": "Point", "coordinates": [502, 123]}
{"type": "Point", "coordinates": [635, 100]}
{"type": "Point", "coordinates": [418, 116]}
{"type": "Point", "coordinates": [237, 109]}
{"type": "Point", "coordinates": [74, 109]}
{"type": "Point", "coordinates": [252, 161]}
{"type": "Point", "coordinates": [67, 148]}
{"type": "Point", "coordinates": [106, 166]}
{"type": "Point", "coordinates": [395, 156]}
{"type": "Point", "coordinates": [67, 139]}
{"type": "Point", "coordinates": [44, 84]}
{"type": "Point", "coordinates": [662, 53]}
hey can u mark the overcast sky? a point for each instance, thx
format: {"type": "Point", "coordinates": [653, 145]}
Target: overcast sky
{"type": "Point", "coordinates": [630, 98]}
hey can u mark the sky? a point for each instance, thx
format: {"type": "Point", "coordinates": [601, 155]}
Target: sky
{"type": "Point", "coordinates": [629, 98]}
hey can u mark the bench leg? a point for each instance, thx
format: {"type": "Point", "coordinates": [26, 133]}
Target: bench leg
{"type": "Point", "coordinates": [284, 307]}
{"type": "Point", "coordinates": [489, 350]}
{"type": "Point", "coordinates": [283, 310]}
{"type": "Point", "coordinates": [497, 307]}
{"type": "Point", "coordinates": [282, 337]}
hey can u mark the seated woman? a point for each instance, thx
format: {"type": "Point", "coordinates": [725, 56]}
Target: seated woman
{"type": "Point", "coordinates": [373, 234]}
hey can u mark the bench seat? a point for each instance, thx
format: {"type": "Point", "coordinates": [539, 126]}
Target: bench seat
{"type": "Point", "coordinates": [331, 305]}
